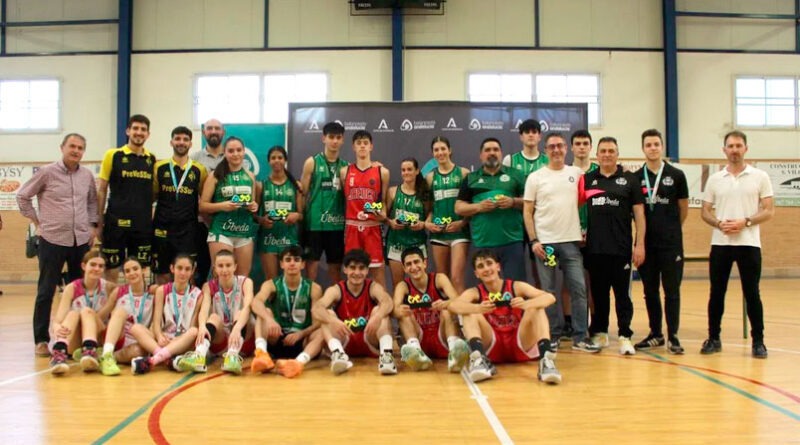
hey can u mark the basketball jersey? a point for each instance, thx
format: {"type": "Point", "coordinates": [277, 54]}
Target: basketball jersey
{"type": "Point", "coordinates": [410, 208]}
{"type": "Point", "coordinates": [421, 303]}
{"type": "Point", "coordinates": [138, 307]}
{"type": "Point", "coordinates": [361, 187]}
{"type": "Point", "coordinates": [279, 200]}
{"type": "Point", "coordinates": [227, 304]}
{"type": "Point", "coordinates": [527, 166]}
{"type": "Point", "coordinates": [82, 299]}
{"type": "Point", "coordinates": [583, 210]}
{"type": "Point", "coordinates": [291, 308]}
{"type": "Point", "coordinates": [503, 317]}
{"type": "Point", "coordinates": [179, 308]}
{"type": "Point", "coordinates": [237, 187]}
{"type": "Point", "coordinates": [325, 205]}
{"type": "Point", "coordinates": [354, 310]}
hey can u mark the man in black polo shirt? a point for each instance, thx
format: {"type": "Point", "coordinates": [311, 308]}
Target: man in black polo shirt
{"type": "Point", "coordinates": [612, 196]}
{"type": "Point", "coordinates": [666, 206]}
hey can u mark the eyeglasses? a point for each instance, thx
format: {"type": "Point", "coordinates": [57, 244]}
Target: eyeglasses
{"type": "Point", "coordinates": [555, 146]}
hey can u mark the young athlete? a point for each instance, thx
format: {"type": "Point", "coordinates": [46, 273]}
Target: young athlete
{"type": "Point", "coordinates": [81, 315]}
{"type": "Point", "coordinates": [449, 231]}
{"type": "Point", "coordinates": [283, 308]}
{"type": "Point", "coordinates": [281, 212]}
{"type": "Point", "coordinates": [507, 315]}
{"type": "Point", "coordinates": [174, 327]}
{"type": "Point", "coordinates": [420, 307]}
{"type": "Point", "coordinates": [409, 205]}
{"type": "Point", "coordinates": [134, 305]}
{"type": "Point", "coordinates": [224, 319]}
{"type": "Point", "coordinates": [355, 317]}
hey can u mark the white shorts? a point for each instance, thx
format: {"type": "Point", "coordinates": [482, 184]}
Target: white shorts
{"type": "Point", "coordinates": [232, 241]}
{"type": "Point", "coordinates": [448, 243]}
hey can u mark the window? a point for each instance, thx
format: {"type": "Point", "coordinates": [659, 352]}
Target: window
{"type": "Point", "coordinates": [253, 98]}
{"type": "Point", "coordinates": [490, 87]}
{"type": "Point", "coordinates": [27, 105]}
{"type": "Point", "coordinates": [767, 101]}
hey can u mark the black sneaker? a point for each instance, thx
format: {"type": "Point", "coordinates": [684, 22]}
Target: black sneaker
{"type": "Point", "coordinates": [586, 345]}
{"type": "Point", "coordinates": [554, 344]}
{"type": "Point", "coordinates": [140, 365]}
{"type": "Point", "coordinates": [674, 346]}
{"type": "Point", "coordinates": [651, 341]}
{"type": "Point", "coordinates": [759, 350]}
{"type": "Point", "coordinates": [566, 333]}
{"type": "Point", "coordinates": [710, 346]}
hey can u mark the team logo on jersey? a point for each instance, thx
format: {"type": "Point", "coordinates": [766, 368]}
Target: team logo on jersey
{"type": "Point", "coordinates": [480, 181]}
{"type": "Point", "coordinates": [167, 175]}
{"type": "Point", "coordinates": [356, 324]}
{"type": "Point", "coordinates": [500, 298]}
{"type": "Point", "coordinates": [149, 161]}
{"type": "Point", "coordinates": [125, 160]}
{"type": "Point", "coordinates": [668, 181]}
{"type": "Point", "coordinates": [621, 181]}
{"type": "Point", "coordinates": [192, 176]}
{"type": "Point", "coordinates": [504, 178]}
{"type": "Point", "coordinates": [419, 301]}
{"type": "Point", "coordinates": [572, 179]}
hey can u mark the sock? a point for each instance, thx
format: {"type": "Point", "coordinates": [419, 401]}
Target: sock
{"type": "Point", "coordinates": [212, 331]}
{"type": "Point", "coordinates": [303, 358]}
{"type": "Point", "coordinates": [335, 345]}
{"type": "Point", "coordinates": [160, 355]}
{"type": "Point", "coordinates": [203, 347]}
{"type": "Point", "coordinates": [261, 344]}
{"type": "Point", "coordinates": [544, 346]}
{"type": "Point", "coordinates": [475, 344]}
{"type": "Point", "coordinates": [568, 321]}
{"type": "Point", "coordinates": [60, 346]}
{"type": "Point", "coordinates": [451, 341]}
{"type": "Point", "coordinates": [89, 344]}
{"type": "Point", "coordinates": [232, 350]}
{"type": "Point", "coordinates": [413, 341]}
{"type": "Point", "coordinates": [385, 343]}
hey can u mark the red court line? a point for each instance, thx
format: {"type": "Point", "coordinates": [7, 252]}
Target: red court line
{"type": "Point", "coordinates": [154, 420]}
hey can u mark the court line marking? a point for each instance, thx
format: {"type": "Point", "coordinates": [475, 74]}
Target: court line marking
{"type": "Point", "coordinates": [154, 420]}
{"type": "Point", "coordinates": [128, 420]}
{"type": "Point", "coordinates": [483, 402]}
{"type": "Point", "coordinates": [27, 376]}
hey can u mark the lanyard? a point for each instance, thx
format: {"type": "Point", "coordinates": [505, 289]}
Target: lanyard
{"type": "Point", "coordinates": [137, 318]}
{"type": "Point", "coordinates": [226, 308]}
{"type": "Point", "coordinates": [178, 185]}
{"type": "Point", "coordinates": [653, 192]}
{"type": "Point", "coordinates": [292, 302]}
{"type": "Point", "coordinates": [177, 308]}
{"type": "Point", "coordinates": [89, 301]}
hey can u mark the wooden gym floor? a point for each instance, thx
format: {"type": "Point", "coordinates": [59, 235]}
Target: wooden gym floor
{"type": "Point", "coordinates": [651, 398]}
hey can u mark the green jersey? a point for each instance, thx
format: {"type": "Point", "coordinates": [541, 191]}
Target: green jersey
{"type": "Point", "coordinates": [527, 166]}
{"type": "Point", "coordinates": [406, 209]}
{"type": "Point", "coordinates": [325, 203]}
{"type": "Point", "coordinates": [499, 227]}
{"type": "Point", "coordinates": [278, 201]}
{"type": "Point", "coordinates": [583, 211]}
{"type": "Point", "coordinates": [445, 191]}
{"type": "Point", "coordinates": [237, 187]}
{"type": "Point", "coordinates": [291, 308]}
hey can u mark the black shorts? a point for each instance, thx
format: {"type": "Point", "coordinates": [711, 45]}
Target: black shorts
{"type": "Point", "coordinates": [329, 242]}
{"type": "Point", "coordinates": [168, 243]}
{"type": "Point", "coordinates": [279, 350]}
{"type": "Point", "coordinates": [119, 243]}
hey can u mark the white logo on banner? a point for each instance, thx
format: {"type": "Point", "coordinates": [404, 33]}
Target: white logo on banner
{"type": "Point", "coordinates": [545, 126]}
{"type": "Point", "coordinates": [383, 125]}
{"type": "Point", "coordinates": [313, 126]}
{"type": "Point", "coordinates": [406, 125]}
{"type": "Point", "coordinates": [475, 125]}
{"type": "Point", "coordinates": [251, 161]}
{"type": "Point", "coordinates": [452, 123]}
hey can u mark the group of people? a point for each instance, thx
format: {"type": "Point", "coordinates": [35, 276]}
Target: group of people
{"type": "Point", "coordinates": [575, 220]}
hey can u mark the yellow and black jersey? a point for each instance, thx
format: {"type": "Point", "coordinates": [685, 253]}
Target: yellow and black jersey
{"type": "Point", "coordinates": [177, 192]}
{"type": "Point", "coordinates": [130, 180]}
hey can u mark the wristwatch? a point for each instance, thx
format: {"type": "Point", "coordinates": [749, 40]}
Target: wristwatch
{"type": "Point", "coordinates": [748, 222]}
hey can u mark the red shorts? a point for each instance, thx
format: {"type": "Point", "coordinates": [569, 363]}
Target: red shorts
{"type": "Point", "coordinates": [358, 346]}
{"type": "Point", "coordinates": [368, 238]}
{"type": "Point", "coordinates": [431, 343]}
{"type": "Point", "coordinates": [506, 348]}
{"type": "Point", "coordinates": [248, 346]}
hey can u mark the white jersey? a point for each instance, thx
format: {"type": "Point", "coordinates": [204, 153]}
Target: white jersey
{"type": "Point", "coordinates": [94, 300]}
{"type": "Point", "coordinates": [178, 309]}
{"type": "Point", "coordinates": [227, 304]}
{"type": "Point", "coordinates": [139, 309]}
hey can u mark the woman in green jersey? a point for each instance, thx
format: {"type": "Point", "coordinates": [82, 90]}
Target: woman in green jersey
{"type": "Point", "coordinates": [449, 232]}
{"type": "Point", "coordinates": [409, 205]}
{"type": "Point", "coordinates": [281, 211]}
{"type": "Point", "coordinates": [230, 196]}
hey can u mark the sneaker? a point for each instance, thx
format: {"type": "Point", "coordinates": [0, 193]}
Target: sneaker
{"type": "Point", "coordinates": [759, 350]}
{"type": "Point", "coordinates": [386, 364]}
{"type": "Point", "coordinates": [108, 366]}
{"type": "Point", "coordinates": [626, 347]}
{"type": "Point", "coordinates": [414, 357]}
{"type": "Point", "coordinates": [89, 361]}
{"type": "Point", "coordinates": [651, 341]}
{"type": "Point", "coordinates": [600, 339]}
{"type": "Point", "coordinates": [458, 356]}
{"type": "Point", "coordinates": [289, 368]}
{"type": "Point", "coordinates": [140, 365]}
{"type": "Point", "coordinates": [479, 367]}
{"type": "Point", "coordinates": [262, 362]}
{"type": "Point", "coordinates": [41, 349]}
{"type": "Point", "coordinates": [567, 332]}
{"type": "Point", "coordinates": [586, 345]}
{"type": "Point", "coordinates": [232, 363]}
{"type": "Point", "coordinates": [340, 362]}
{"type": "Point", "coordinates": [674, 346]}
{"type": "Point", "coordinates": [711, 346]}
{"type": "Point", "coordinates": [191, 362]}
{"type": "Point", "coordinates": [58, 362]}
{"type": "Point", "coordinates": [555, 343]}
{"type": "Point", "coordinates": [547, 369]}
{"type": "Point", "coordinates": [77, 354]}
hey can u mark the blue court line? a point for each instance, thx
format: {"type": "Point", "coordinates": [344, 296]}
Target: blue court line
{"type": "Point", "coordinates": [124, 424]}
{"type": "Point", "coordinates": [741, 392]}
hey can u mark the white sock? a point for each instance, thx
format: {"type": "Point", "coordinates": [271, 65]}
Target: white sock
{"type": "Point", "coordinates": [413, 341]}
{"type": "Point", "coordinates": [261, 344]}
{"type": "Point", "coordinates": [385, 343]}
{"type": "Point", "coordinates": [203, 347]}
{"type": "Point", "coordinates": [232, 350]}
{"type": "Point", "coordinates": [108, 348]}
{"type": "Point", "coordinates": [303, 358]}
{"type": "Point", "coordinates": [451, 341]}
{"type": "Point", "coordinates": [335, 345]}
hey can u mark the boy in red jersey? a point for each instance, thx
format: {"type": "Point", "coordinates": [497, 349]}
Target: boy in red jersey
{"type": "Point", "coordinates": [509, 316]}
{"type": "Point", "coordinates": [354, 314]}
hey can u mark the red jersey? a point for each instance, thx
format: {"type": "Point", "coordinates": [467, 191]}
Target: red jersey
{"type": "Point", "coordinates": [354, 310]}
{"type": "Point", "coordinates": [503, 317]}
{"type": "Point", "coordinates": [421, 302]}
{"type": "Point", "coordinates": [361, 188]}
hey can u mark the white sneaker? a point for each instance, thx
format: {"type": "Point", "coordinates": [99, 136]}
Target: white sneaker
{"type": "Point", "coordinates": [600, 339]}
{"type": "Point", "coordinates": [547, 369]}
{"type": "Point", "coordinates": [386, 365]}
{"type": "Point", "coordinates": [458, 356]}
{"type": "Point", "coordinates": [415, 358]}
{"type": "Point", "coordinates": [479, 367]}
{"type": "Point", "coordinates": [626, 347]}
{"type": "Point", "coordinates": [340, 362]}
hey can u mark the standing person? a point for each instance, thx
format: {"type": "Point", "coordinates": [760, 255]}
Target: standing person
{"type": "Point", "coordinates": [281, 211]}
{"type": "Point", "coordinates": [409, 205]}
{"type": "Point", "coordinates": [738, 199]}
{"type": "Point", "coordinates": [324, 204]}
{"type": "Point", "coordinates": [449, 231]}
{"type": "Point", "coordinates": [230, 195]}
{"type": "Point", "coordinates": [666, 207]}
{"type": "Point", "coordinates": [612, 196]}
{"type": "Point", "coordinates": [553, 226]}
{"type": "Point", "coordinates": [492, 198]}
{"type": "Point", "coordinates": [209, 157]}
{"type": "Point", "coordinates": [178, 182]}
{"type": "Point", "coordinates": [66, 223]}
{"type": "Point", "coordinates": [126, 177]}
{"type": "Point", "coordinates": [365, 188]}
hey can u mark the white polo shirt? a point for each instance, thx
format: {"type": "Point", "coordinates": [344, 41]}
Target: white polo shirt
{"type": "Point", "coordinates": [737, 197]}
{"type": "Point", "coordinates": [555, 197]}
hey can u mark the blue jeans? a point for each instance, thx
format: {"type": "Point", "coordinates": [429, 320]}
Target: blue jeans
{"type": "Point", "coordinates": [570, 261]}
{"type": "Point", "coordinates": [512, 260]}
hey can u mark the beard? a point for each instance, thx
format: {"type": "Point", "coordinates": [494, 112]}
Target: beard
{"type": "Point", "coordinates": [180, 151]}
{"type": "Point", "coordinates": [213, 141]}
{"type": "Point", "coordinates": [492, 162]}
